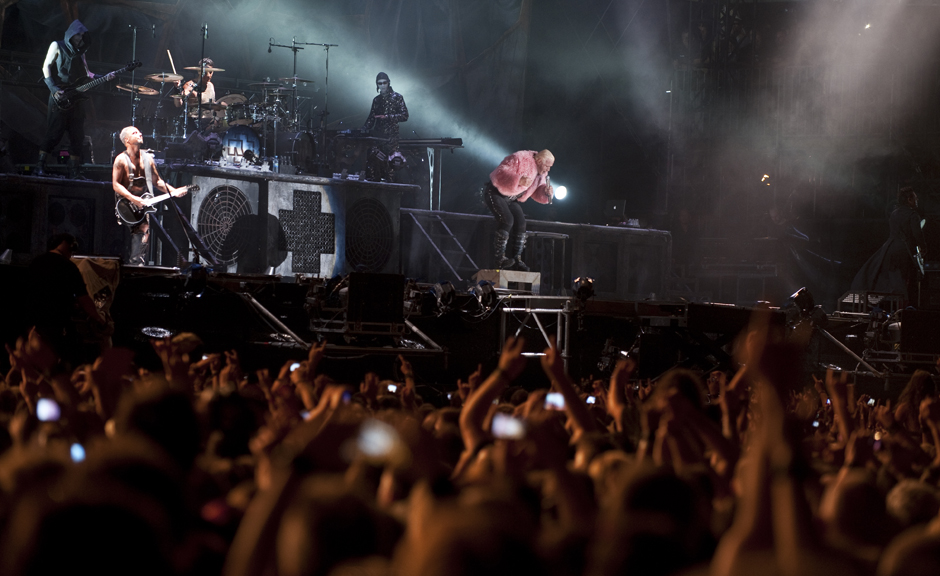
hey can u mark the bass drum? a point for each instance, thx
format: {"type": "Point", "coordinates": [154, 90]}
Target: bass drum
{"type": "Point", "coordinates": [237, 140]}
{"type": "Point", "coordinates": [298, 149]}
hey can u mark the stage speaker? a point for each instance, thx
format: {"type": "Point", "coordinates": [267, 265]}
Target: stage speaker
{"type": "Point", "coordinates": [225, 214]}
{"type": "Point", "coordinates": [297, 226]}
{"type": "Point", "coordinates": [372, 228]}
{"type": "Point", "coordinates": [16, 220]}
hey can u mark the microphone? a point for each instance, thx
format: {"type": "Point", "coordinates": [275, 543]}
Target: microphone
{"type": "Point", "coordinates": [270, 42]}
{"type": "Point", "coordinates": [205, 30]}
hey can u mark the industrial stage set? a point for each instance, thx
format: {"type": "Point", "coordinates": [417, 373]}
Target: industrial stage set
{"type": "Point", "coordinates": [267, 263]}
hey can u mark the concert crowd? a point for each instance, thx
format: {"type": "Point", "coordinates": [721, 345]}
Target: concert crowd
{"type": "Point", "coordinates": [201, 468]}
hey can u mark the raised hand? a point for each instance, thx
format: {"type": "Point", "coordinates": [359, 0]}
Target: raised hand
{"type": "Point", "coordinates": [511, 361]}
{"type": "Point", "coordinates": [552, 362]}
{"type": "Point", "coordinates": [316, 354]}
{"type": "Point", "coordinates": [473, 382]}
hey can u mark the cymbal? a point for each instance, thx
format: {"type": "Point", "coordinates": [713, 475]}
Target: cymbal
{"type": "Point", "coordinates": [164, 77]}
{"type": "Point", "coordinates": [142, 90]}
{"type": "Point", "coordinates": [208, 68]}
{"type": "Point", "coordinates": [266, 84]}
{"type": "Point", "coordinates": [232, 99]}
{"type": "Point", "coordinates": [295, 80]}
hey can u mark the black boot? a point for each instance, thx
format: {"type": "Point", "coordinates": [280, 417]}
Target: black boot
{"type": "Point", "coordinates": [75, 168]}
{"type": "Point", "coordinates": [518, 246]}
{"type": "Point", "coordinates": [499, 250]}
{"type": "Point", "coordinates": [41, 164]}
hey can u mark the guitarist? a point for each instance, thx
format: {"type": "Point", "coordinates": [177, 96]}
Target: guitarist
{"type": "Point", "coordinates": [134, 173]}
{"type": "Point", "coordinates": [65, 64]}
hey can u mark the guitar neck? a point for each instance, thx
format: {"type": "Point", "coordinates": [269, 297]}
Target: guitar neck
{"type": "Point", "coordinates": [100, 80]}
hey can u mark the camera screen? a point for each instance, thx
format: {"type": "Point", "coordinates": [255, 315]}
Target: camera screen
{"type": "Point", "coordinates": [47, 410]}
{"type": "Point", "coordinates": [554, 401]}
{"type": "Point", "coordinates": [507, 427]}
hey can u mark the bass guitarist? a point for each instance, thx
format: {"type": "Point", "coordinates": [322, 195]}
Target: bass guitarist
{"type": "Point", "coordinates": [64, 65]}
{"type": "Point", "coordinates": [134, 172]}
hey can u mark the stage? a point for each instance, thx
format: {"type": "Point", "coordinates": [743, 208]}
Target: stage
{"type": "Point", "coordinates": [302, 259]}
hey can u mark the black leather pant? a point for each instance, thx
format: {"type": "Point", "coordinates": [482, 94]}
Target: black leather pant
{"type": "Point", "coordinates": [508, 213]}
{"type": "Point", "coordinates": [58, 122]}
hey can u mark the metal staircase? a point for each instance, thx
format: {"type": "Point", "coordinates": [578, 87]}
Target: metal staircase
{"type": "Point", "coordinates": [445, 244]}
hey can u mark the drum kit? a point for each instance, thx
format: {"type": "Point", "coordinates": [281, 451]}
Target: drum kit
{"type": "Point", "coordinates": [267, 122]}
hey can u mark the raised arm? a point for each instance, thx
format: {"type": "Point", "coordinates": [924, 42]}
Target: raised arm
{"type": "Point", "coordinates": [48, 68]}
{"type": "Point", "coordinates": [511, 363]}
{"type": "Point", "coordinates": [159, 183]}
{"type": "Point", "coordinates": [577, 410]}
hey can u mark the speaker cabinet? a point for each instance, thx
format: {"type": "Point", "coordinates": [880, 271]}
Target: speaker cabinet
{"type": "Point", "coordinates": [34, 209]}
{"type": "Point", "coordinates": [299, 225]}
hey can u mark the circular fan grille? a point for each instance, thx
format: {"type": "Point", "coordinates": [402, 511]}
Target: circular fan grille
{"type": "Point", "coordinates": [369, 235]}
{"type": "Point", "coordinates": [220, 214]}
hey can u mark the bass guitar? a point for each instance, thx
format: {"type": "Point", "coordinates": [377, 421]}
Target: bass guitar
{"type": "Point", "coordinates": [131, 215]}
{"type": "Point", "coordinates": [72, 94]}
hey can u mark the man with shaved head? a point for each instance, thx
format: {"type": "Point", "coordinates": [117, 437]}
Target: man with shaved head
{"type": "Point", "coordinates": [134, 172]}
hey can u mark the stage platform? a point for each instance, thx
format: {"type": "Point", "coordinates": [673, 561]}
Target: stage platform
{"type": "Point", "coordinates": [258, 222]}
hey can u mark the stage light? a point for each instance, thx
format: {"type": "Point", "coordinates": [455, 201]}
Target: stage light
{"type": "Point", "coordinates": [561, 192]}
{"type": "Point", "coordinates": [867, 26]}
{"type": "Point", "coordinates": [486, 293]}
{"type": "Point", "coordinates": [445, 293]}
{"type": "Point", "coordinates": [584, 288]}
{"type": "Point", "coordinates": [803, 299]}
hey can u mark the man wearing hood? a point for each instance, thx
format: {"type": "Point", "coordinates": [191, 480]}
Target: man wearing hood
{"type": "Point", "coordinates": [64, 65]}
{"type": "Point", "coordinates": [388, 109]}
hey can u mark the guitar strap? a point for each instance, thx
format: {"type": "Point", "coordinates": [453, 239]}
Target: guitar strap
{"type": "Point", "coordinates": [147, 161]}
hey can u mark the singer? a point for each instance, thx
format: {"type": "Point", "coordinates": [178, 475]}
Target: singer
{"type": "Point", "coordinates": [520, 176]}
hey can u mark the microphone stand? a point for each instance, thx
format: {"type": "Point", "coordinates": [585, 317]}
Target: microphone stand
{"type": "Point", "coordinates": [321, 145]}
{"type": "Point", "coordinates": [197, 86]}
{"type": "Point", "coordinates": [134, 97]}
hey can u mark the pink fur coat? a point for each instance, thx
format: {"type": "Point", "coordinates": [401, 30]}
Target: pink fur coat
{"type": "Point", "coordinates": [506, 178]}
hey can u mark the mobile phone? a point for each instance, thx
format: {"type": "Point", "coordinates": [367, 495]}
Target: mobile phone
{"type": "Point", "coordinates": [205, 356]}
{"type": "Point", "coordinates": [47, 410]}
{"type": "Point", "coordinates": [392, 388]}
{"type": "Point", "coordinates": [871, 401]}
{"type": "Point", "coordinates": [450, 395]}
{"type": "Point", "coordinates": [591, 400]}
{"type": "Point", "coordinates": [828, 401]}
{"type": "Point", "coordinates": [815, 423]}
{"type": "Point", "coordinates": [554, 401]}
{"type": "Point", "coordinates": [77, 452]}
{"type": "Point", "coordinates": [305, 414]}
{"type": "Point", "coordinates": [347, 397]}
{"type": "Point", "coordinates": [294, 366]}
{"type": "Point", "coordinates": [376, 439]}
{"type": "Point", "coordinates": [507, 427]}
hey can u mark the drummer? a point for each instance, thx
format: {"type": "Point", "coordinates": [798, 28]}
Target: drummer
{"type": "Point", "coordinates": [205, 86]}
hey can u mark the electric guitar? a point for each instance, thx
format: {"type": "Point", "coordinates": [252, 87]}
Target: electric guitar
{"type": "Point", "coordinates": [73, 93]}
{"type": "Point", "coordinates": [130, 214]}
{"type": "Point", "coordinates": [919, 260]}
